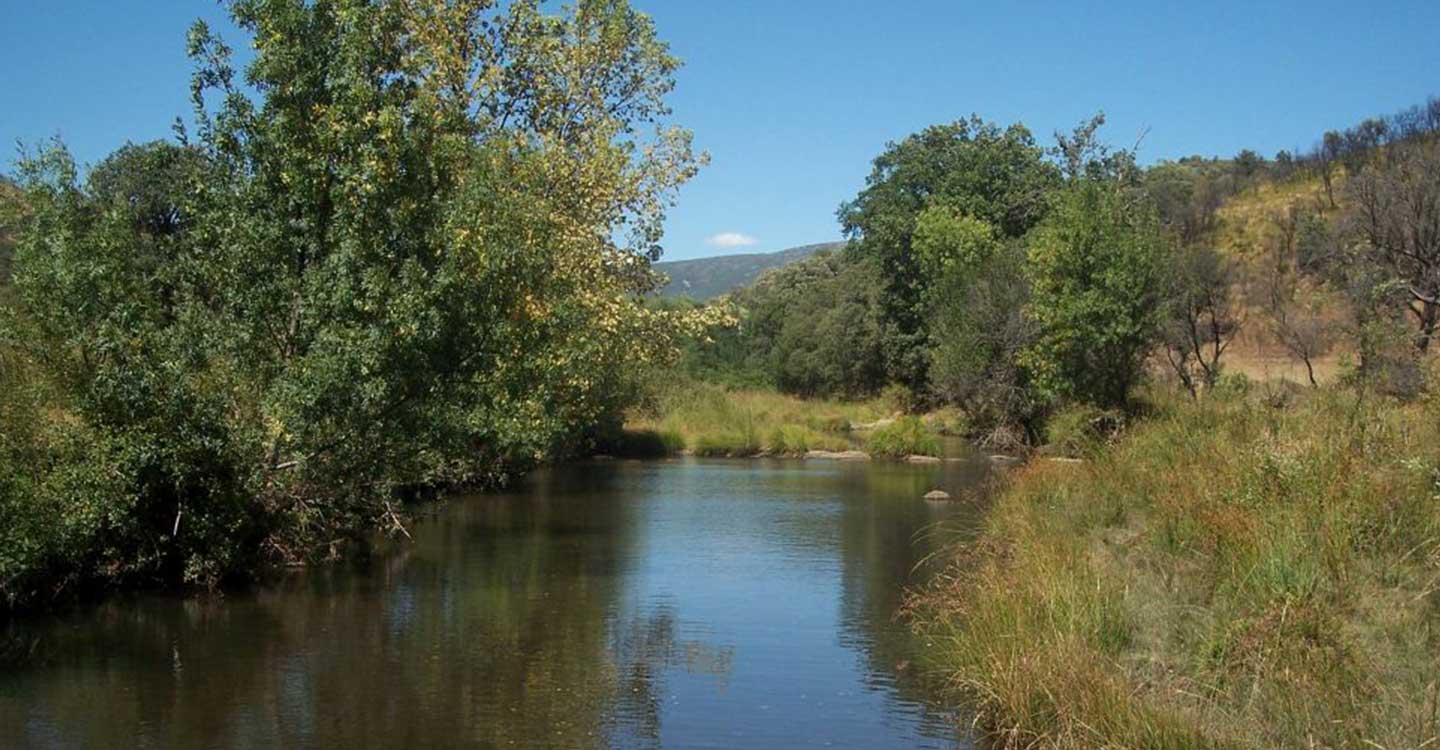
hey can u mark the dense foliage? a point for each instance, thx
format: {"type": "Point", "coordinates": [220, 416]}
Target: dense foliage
{"type": "Point", "coordinates": [968, 168]}
{"type": "Point", "coordinates": [1095, 269]}
{"type": "Point", "coordinates": [811, 328]}
{"type": "Point", "coordinates": [991, 275]}
{"type": "Point", "coordinates": [405, 250]}
{"type": "Point", "coordinates": [982, 273]}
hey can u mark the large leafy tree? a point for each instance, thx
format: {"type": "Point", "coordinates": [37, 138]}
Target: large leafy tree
{"type": "Point", "coordinates": [969, 168]}
{"type": "Point", "coordinates": [405, 246]}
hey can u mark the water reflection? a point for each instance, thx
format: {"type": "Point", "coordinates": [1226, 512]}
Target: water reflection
{"type": "Point", "coordinates": [677, 604]}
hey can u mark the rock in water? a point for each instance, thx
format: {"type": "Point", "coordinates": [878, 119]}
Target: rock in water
{"type": "Point", "coordinates": [937, 495]}
{"type": "Point", "coordinates": [918, 459]}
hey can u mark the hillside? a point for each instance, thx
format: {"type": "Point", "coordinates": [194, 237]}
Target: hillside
{"type": "Point", "coordinates": [1247, 229]}
{"type": "Point", "coordinates": [703, 278]}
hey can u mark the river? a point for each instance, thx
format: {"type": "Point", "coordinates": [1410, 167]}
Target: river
{"type": "Point", "coordinates": [667, 604]}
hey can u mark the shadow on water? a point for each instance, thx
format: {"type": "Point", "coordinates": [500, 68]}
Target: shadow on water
{"type": "Point", "coordinates": [627, 604]}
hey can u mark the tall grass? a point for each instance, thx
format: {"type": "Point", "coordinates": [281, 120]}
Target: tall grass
{"type": "Point", "coordinates": [714, 421]}
{"type": "Point", "coordinates": [792, 439]}
{"type": "Point", "coordinates": [1228, 574]}
{"type": "Point", "coordinates": [906, 436]}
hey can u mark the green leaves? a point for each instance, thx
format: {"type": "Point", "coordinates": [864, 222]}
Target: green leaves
{"type": "Point", "coordinates": [946, 242]}
{"type": "Point", "coordinates": [1095, 267]}
{"type": "Point", "coordinates": [969, 170]}
{"type": "Point", "coordinates": [387, 262]}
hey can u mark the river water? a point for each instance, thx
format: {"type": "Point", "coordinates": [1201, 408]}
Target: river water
{"type": "Point", "coordinates": [669, 604]}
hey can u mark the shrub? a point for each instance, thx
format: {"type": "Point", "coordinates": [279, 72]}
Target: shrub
{"type": "Point", "coordinates": [900, 398]}
{"type": "Point", "coordinates": [1096, 269]}
{"type": "Point", "coordinates": [906, 436]}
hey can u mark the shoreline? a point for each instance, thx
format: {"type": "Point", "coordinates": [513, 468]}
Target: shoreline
{"type": "Point", "coordinates": [1227, 573]}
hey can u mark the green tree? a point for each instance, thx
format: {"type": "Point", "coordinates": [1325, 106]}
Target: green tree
{"type": "Point", "coordinates": [10, 216]}
{"type": "Point", "coordinates": [968, 168]}
{"type": "Point", "coordinates": [409, 252]}
{"type": "Point", "coordinates": [1096, 268]}
{"type": "Point", "coordinates": [1187, 196]}
{"type": "Point", "coordinates": [980, 330]}
{"type": "Point", "coordinates": [810, 328]}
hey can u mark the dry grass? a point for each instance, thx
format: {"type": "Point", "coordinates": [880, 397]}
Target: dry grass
{"type": "Point", "coordinates": [1245, 231]}
{"type": "Point", "coordinates": [1245, 219]}
{"type": "Point", "coordinates": [1226, 575]}
{"type": "Point", "coordinates": [712, 420]}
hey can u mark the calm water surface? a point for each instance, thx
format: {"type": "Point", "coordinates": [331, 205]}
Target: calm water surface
{"type": "Point", "coordinates": [680, 604]}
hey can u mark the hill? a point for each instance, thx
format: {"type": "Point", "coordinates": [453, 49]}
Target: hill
{"type": "Point", "coordinates": [704, 278]}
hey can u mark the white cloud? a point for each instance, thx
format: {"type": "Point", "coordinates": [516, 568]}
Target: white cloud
{"type": "Point", "coordinates": [731, 239]}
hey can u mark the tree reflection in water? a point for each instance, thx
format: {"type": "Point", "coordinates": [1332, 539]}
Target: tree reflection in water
{"type": "Point", "coordinates": [570, 614]}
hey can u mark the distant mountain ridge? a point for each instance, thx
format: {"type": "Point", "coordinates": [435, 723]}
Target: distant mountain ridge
{"type": "Point", "coordinates": [705, 278]}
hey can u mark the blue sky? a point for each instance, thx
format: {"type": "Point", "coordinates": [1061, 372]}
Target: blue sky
{"type": "Point", "coordinates": [793, 98]}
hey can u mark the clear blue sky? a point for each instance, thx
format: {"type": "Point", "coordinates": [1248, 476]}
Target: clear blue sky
{"type": "Point", "coordinates": [792, 99]}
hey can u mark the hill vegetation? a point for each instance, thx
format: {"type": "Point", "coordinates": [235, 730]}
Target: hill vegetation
{"type": "Point", "coordinates": [992, 275]}
{"type": "Point", "coordinates": [703, 279]}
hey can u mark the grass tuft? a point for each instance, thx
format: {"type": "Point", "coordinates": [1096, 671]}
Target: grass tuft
{"type": "Point", "coordinates": [906, 436]}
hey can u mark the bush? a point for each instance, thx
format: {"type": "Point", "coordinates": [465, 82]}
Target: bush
{"type": "Point", "coordinates": [1081, 430]}
{"type": "Point", "coordinates": [900, 398]}
{"type": "Point", "coordinates": [1233, 385]}
{"type": "Point", "coordinates": [906, 436]}
{"type": "Point", "coordinates": [949, 421]}
{"type": "Point", "coordinates": [979, 329]}
{"type": "Point", "coordinates": [1096, 269]}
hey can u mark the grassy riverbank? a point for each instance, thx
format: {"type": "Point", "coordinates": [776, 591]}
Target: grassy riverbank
{"type": "Point", "coordinates": [1240, 572]}
{"type": "Point", "coordinates": [710, 420]}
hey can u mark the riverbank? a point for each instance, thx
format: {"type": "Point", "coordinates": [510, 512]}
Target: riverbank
{"type": "Point", "coordinates": [1254, 570]}
{"type": "Point", "coordinates": [709, 420]}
